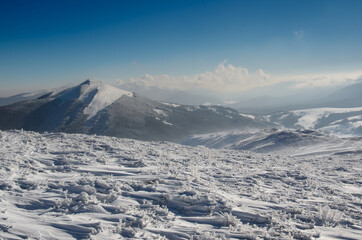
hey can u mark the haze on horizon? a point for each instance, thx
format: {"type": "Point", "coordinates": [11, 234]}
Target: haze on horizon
{"type": "Point", "coordinates": [209, 47]}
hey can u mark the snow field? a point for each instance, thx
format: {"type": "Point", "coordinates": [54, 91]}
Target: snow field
{"type": "Point", "coordinates": [73, 186]}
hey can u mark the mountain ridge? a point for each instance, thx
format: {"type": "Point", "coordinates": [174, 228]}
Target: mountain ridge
{"type": "Point", "coordinates": [97, 108]}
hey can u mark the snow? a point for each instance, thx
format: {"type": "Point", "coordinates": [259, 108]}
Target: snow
{"type": "Point", "coordinates": [105, 96]}
{"type": "Point", "coordinates": [171, 104]}
{"type": "Point", "coordinates": [247, 115]}
{"type": "Point", "coordinates": [357, 124]}
{"type": "Point", "coordinates": [167, 123]}
{"type": "Point", "coordinates": [309, 117]}
{"type": "Point", "coordinates": [190, 109]}
{"type": "Point", "coordinates": [160, 112]}
{"type": "Point", "coordinates": [354, 118]}
{"type": "Point", "coordinates": [212, 109]}
{"type": "Point", "coordinates": [74, 186]}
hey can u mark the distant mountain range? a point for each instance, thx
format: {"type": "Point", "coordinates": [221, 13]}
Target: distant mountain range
{"type": "Point", "coordinates": [22, 97]}
{"type": "Point", "coordinates": [174, 95]}
{"type": "Point", "coordinates": [346, 97]}
{"type": "Point", "coordinates": [98, 108]}
{"type": "Point", "coordinates": [350, 96]}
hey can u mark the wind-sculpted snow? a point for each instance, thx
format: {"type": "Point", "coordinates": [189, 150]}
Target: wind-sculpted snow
{"type": "Point", "coordinates": [73, 186]}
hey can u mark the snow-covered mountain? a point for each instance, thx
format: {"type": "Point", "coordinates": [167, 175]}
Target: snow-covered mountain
{"type": "Point", "coordinates": [97, 108]}
{"type": "Point", "coordinates": [95, 96]}
{"type": "Point", "coordinates": [293, 142]}
{"type": "Point", "coordinates": [75, 186]}
{"type": "Point", "coordinates": [339, 121]}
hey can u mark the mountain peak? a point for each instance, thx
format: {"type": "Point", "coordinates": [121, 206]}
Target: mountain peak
{"type": "Point", "coordinates": [102, 95]}
{"type": "Point", "coordinates": [95, 95]}
{"type": "Point", "coordinates": [86, 82]}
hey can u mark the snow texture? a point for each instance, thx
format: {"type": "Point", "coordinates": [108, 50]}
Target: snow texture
{"type": "Point", "coordinates": [74, 186]}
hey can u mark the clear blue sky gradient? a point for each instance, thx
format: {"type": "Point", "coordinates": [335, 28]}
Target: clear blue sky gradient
{"type": "Point", "coordinates": [51, 43]}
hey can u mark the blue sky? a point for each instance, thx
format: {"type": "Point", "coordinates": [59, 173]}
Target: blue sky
{"type": "Point", "coordinates": [53, 43]}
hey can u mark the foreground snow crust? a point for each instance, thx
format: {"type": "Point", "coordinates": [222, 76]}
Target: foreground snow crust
{"type": "Point", "coordinates": [72, 186]}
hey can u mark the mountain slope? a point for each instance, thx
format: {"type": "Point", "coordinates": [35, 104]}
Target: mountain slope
{"type": "Point", "coordinates": [142, 118]}
{"type": "Point", "coordinates": [97, 108]}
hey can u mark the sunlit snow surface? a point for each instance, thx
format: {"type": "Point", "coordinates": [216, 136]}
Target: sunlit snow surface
{"type": "Point", "coordinates": [68, 186]}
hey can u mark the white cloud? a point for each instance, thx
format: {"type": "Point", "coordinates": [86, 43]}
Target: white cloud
{"type": "Point", "coordinates": [224, 78]}
{"type": "Point", "coordinates": [323, 80]}
{"type": "Point", "coordinates": [229, 78]}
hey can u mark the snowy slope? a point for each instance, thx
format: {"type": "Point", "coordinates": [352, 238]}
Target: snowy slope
{"type": "Point", "coordinates": [340, 121]}
{"type": "Point", "coordinates": [105, 95]}
{"type": "Point", "coordinates": [96, 96]}
{"type": "Point", "coordinates": [287, 141]}
{"type": "Point", "coordinates": [64, 186]}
